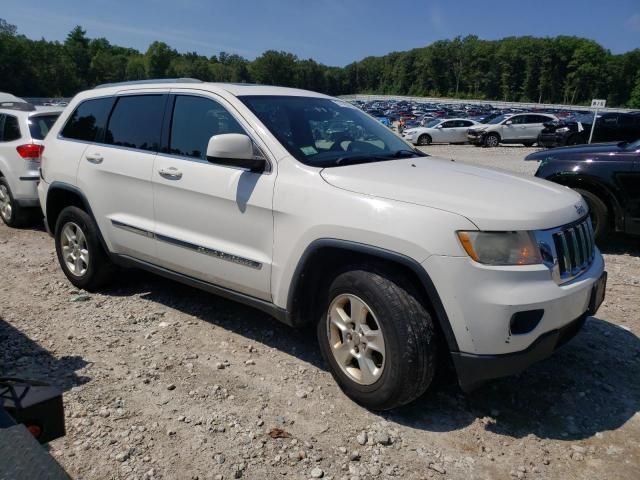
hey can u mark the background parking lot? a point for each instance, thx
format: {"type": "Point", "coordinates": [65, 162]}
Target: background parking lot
{"type": "Point", "coordinates": [164, 381]}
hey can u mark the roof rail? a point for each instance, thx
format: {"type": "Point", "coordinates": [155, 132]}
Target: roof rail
{"type": "Point", "coordinates": [20, 106]}
{"type": "Point", "coordinates": [145, 82]}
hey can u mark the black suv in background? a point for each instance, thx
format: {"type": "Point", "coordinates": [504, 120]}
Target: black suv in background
{"type": "Point", "coordinates": [610, 127]}
{"type": "Point", "coordinates": [606, 175]}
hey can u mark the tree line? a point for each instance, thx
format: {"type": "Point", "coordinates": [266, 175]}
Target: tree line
{"type": "Point", "coordinates": [561, 69]}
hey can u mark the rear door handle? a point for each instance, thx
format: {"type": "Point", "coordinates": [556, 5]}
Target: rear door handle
{"type": "Point", "coordinates": [170, 173]}
{"type": "Point", "coordinates": [94, 158]}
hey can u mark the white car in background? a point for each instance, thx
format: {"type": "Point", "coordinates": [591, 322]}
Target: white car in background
{"type": "Point", "coordinates": [22, 130]}
{"type": "Point", "coordinates": [438, 130]}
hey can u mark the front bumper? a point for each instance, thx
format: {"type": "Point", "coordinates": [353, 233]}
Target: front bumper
{"type": "Point", "coordinates": [476, 139]}
{"type": "Point", "coordinates": [551, 140]}
{"type": "Point", "coordinates": [483, 302]}
{"type": "Point", "coordinates": [409, 137]}
{"type": "Point", "coordinates": [474, 370]}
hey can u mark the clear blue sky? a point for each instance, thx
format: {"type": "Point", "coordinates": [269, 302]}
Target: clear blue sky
{"type": "Point", "coordinates": [334, 32]}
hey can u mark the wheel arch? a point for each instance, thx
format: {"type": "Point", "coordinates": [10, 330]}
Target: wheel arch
{"type": "Point", "coordinates": [61, 195]}
{"type": "Point", "coordinates": [597, 188]}
{"type": "Point", "coordinates": [323, 258]}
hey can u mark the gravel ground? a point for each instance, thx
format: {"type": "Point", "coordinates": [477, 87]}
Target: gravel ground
{"type": "Point", "coordinates": [164, 381]}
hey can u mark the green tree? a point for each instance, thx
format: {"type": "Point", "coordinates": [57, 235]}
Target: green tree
{"type": "Point", "coordinates": [159, 56]}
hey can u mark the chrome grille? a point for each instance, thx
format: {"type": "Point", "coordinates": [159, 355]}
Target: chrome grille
{"type": "Point", "coordinates": [575, 248]}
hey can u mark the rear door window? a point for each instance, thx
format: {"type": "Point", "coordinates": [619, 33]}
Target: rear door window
{"type": "Point", "coordinates": [136, 122]}
{"type": "Point", "coordinates": [88, 120]}
{"type": "Point", "coordinates": [39, 125]}
{"type": "Point", "coordinates": [195, 121]}
{"type": "Point", "coordinates": [11, 129]}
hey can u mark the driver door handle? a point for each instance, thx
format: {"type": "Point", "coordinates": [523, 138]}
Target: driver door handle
{"type": "Point", "coordinates": [95, 158]}
{"type": "Point", "coordinates": [170, 173]}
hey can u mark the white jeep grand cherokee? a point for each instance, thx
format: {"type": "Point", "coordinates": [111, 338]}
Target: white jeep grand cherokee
{"type": "Point", "coordinates": [402, 261]}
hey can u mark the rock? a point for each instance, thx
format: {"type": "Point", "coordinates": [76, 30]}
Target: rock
{"type": "Point", "coordinates": [80, 298]}
{"type": "Point", "coordinates": [354, 456]}
{"type": "Point", "coordinates": [382, 438]}
{"type": "Point", "coordinates": [250, 362]}
{"type": "Point", "coordinates": [317, 473]}
{"type": "Point", "coordinates": [171, 386]}
{"type": "Point", "coordinates": [219, 458]}
{"type": "Point", "coordinates": [437, 468]}
{"type": "Point", "coordinates": [122, 456]}
{"type": "Point", "coordinates": [220, 365]}
{"type": "Point", "coordinates": [301, 394]}
{"type": "Point", "coordinates": [362, 438]}
{"type": "Point", "coordinates": [163, 324]}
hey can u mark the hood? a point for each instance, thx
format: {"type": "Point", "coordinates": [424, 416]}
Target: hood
{"type": "Point", "coordinates": [491, 199]}
{"type": "Point", "coordinates": [575, 151]}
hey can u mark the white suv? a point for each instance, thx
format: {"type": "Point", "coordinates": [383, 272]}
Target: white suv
{"type": "Point", "coordinates": [401, 260]}
{"type": "Point", "coordinates": [522, 128]}
{"type": "Point", "coordinates": [22, 129]}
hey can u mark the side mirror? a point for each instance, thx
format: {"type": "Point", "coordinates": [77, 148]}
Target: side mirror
{"type": "Point", "coordinates": [235, 150]}
{"type": "Point", "coordinates": [508, 122]}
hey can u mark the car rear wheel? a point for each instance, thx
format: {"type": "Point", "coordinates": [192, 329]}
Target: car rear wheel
{"type": "Point", "coordinates": [599, 214]}
{"type": "Point", "coordinates": [79, 251]}
{"type": "Point", "coordinates": [492, 140]}
{"type": "Point", "coordinates": [12, 214]}
{"type": "Point", "coordinates": [378, 339]}
{"type": "Point", "coordinates": [424, 140]}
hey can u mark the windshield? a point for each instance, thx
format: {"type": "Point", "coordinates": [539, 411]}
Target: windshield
{"type": "Point", "coordinates": [39, 125]}
{"type": "Point", "coordinates": [432, 123]}
{"type": "Point", "coordinates": [324, 132]}
{"type": "Point", "coordinates": [498, 119]}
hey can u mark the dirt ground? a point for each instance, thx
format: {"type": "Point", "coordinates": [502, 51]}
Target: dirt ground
{"type": "Point", "coordinates": [163, 381]}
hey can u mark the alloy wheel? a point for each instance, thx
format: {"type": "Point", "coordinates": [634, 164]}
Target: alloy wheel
{"type": "Point", "coordinates": [75, 251]}
{"type": "Point", "coordinates": [6, 209]}
{"type": "Point", "coordinates": [356, 339]}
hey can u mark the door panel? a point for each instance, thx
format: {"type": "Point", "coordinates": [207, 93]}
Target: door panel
{"type": "Point", "coordinates": [116, 175]}
{"type": "Point", "coordinates": [213, 222]}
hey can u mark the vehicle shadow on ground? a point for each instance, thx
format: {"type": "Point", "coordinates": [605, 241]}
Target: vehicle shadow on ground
{"type": "Point", "coordinates": [590, 385]}
{"type": "Point", "coordinates": [251, 323]}
{"type": "Point", "coordinates": [24, 358]}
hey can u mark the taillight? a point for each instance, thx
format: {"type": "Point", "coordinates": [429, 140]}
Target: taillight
{"type": "Point", "coordinates": [30, 150]}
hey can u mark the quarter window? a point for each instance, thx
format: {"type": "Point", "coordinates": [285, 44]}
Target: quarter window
{"type": "Point", "coordinates": [195, 121]}
{"type": "Point", "coordinates": [136, 122]}
{"type": "Point", "coordinates": [87, 122]}
{"type": "Point", "coordinates": [10, 129]}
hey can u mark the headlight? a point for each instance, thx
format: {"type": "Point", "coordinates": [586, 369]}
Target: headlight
{"type": "Point", "coordinates": [562, 129]}
{"type": "Point", "coordinates": [501, 248]}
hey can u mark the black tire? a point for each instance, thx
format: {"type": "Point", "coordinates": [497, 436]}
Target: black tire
{"type": "Point", "coordinates": [492, 140]}
{"type": "Point", "coordinates": [18, 216]}
{"type": "Point", "coordinates": [409, 338]}
{"type": "Point", "coordinates": [100, 269]}
{"type": "Point", "coordinates": [599, 214]}
{"type": "Point", "coordinates": [424, 140]}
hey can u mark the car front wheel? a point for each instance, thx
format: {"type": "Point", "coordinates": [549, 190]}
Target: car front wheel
{"type": "Point", "coordinates": [378, 339]}
{"type": "Point", "coordinates": [424, 140]}
{"type": "Point", "coordinates": [80, 254]}
{"type": "Point", "coordinates": [492, 140]}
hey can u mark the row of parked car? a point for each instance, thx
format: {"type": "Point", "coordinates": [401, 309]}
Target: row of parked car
{"type": "Point", "coordinates": [484, 125]}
